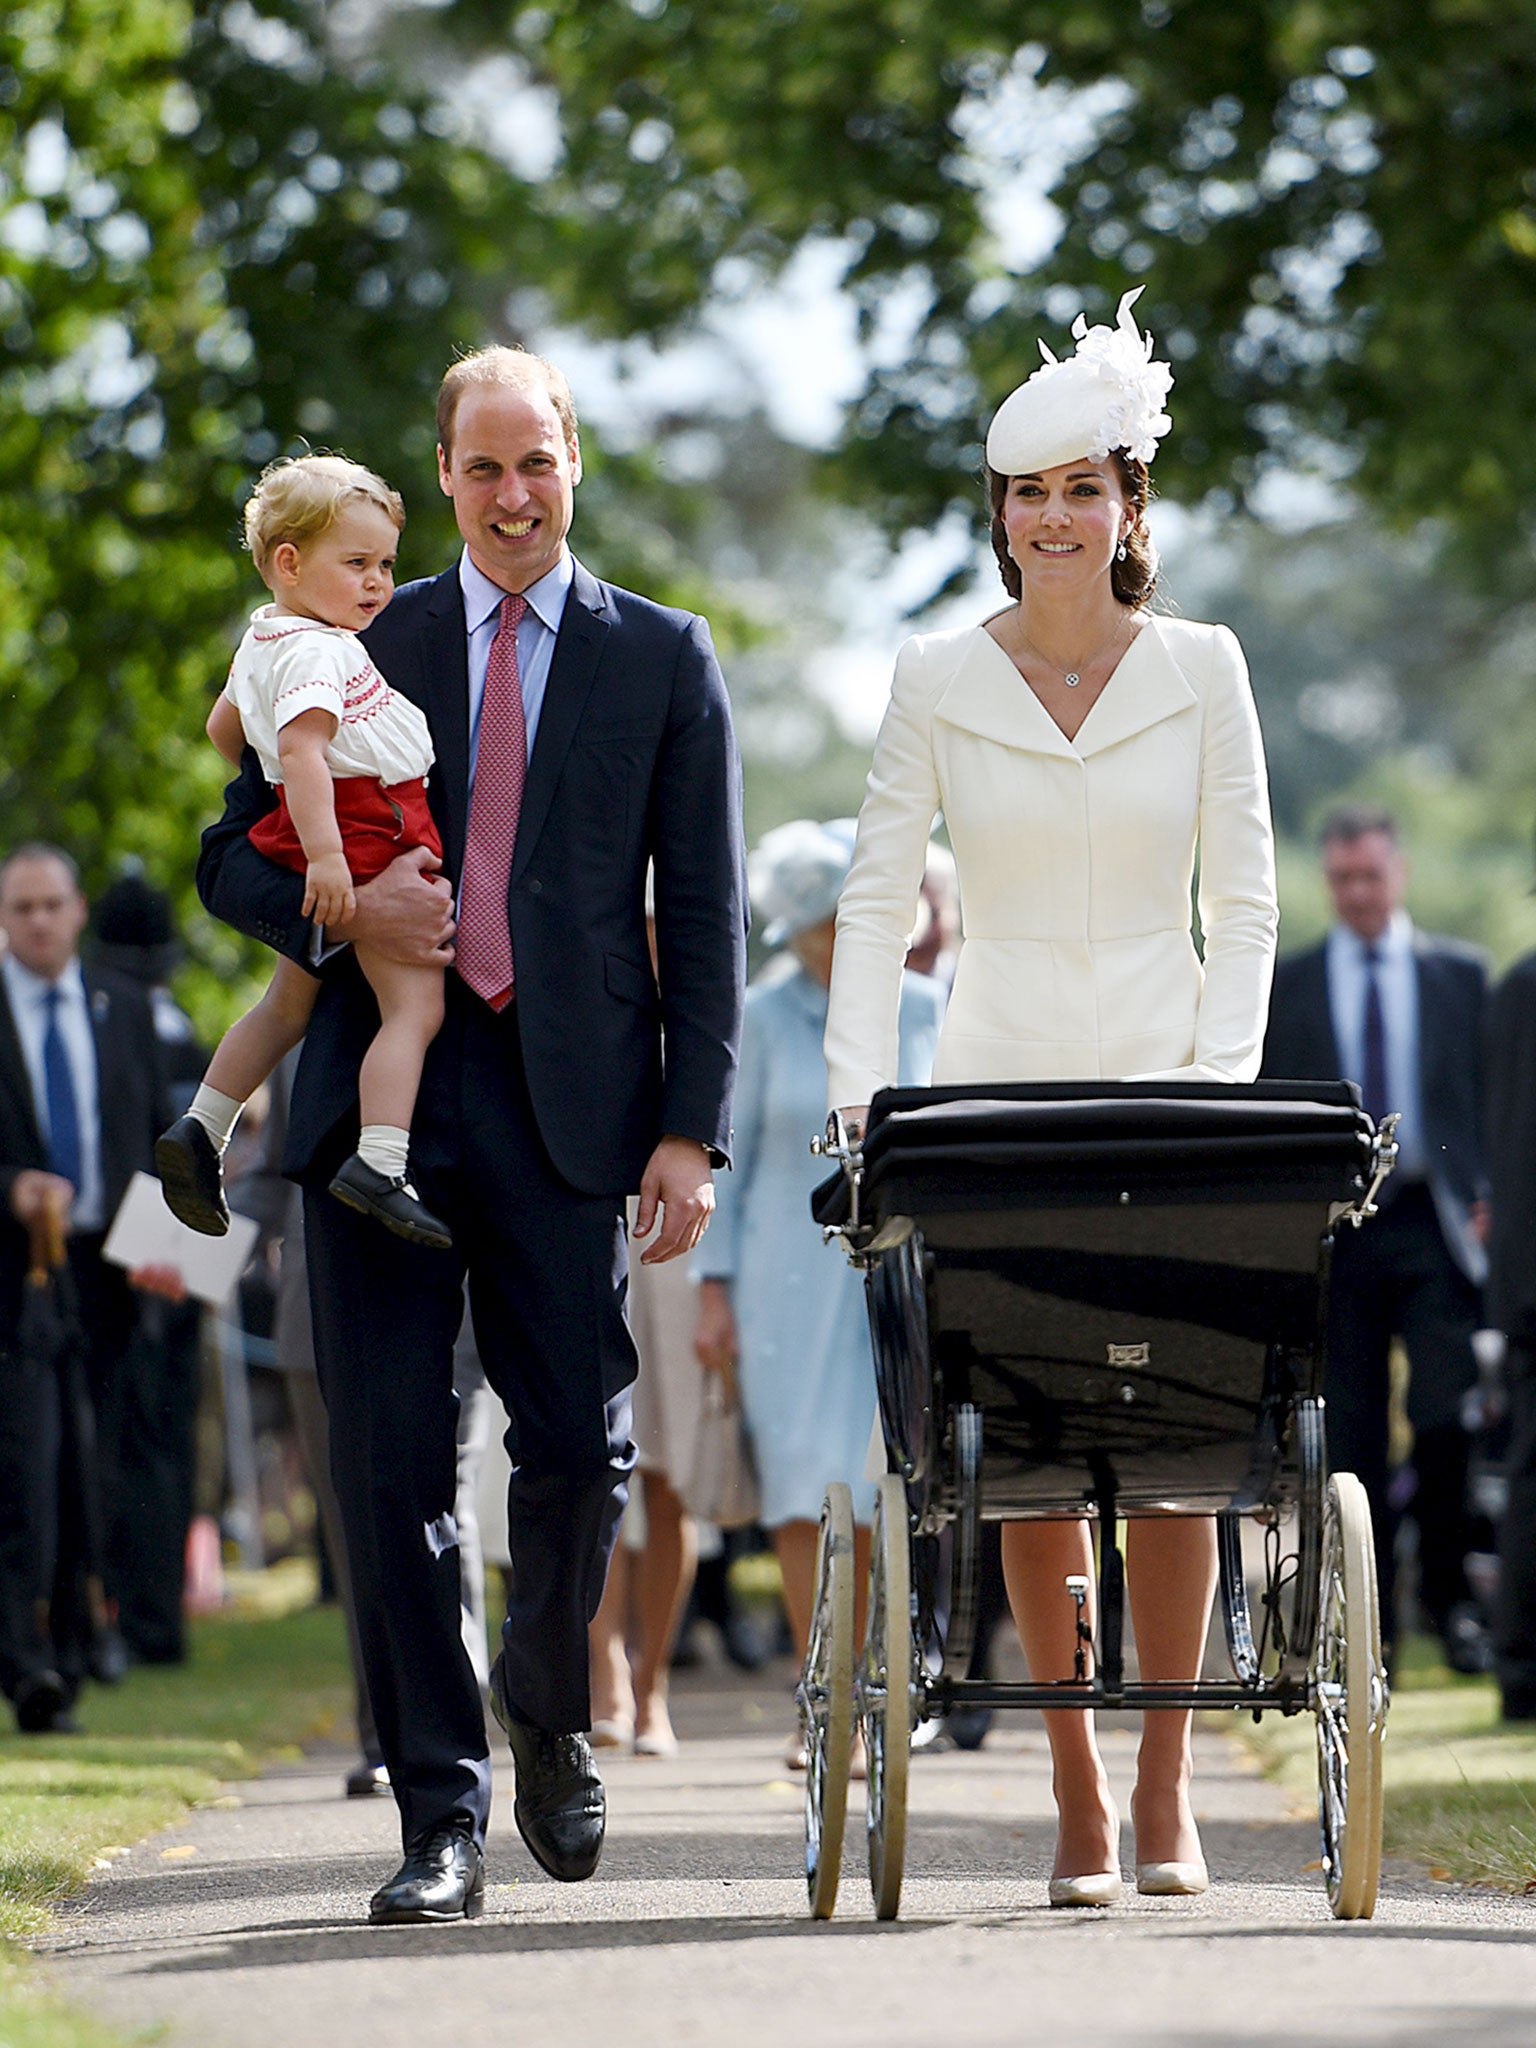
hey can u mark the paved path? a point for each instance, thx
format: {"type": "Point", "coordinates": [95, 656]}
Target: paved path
{"type": "Point", "coordinates": [243, 1928]}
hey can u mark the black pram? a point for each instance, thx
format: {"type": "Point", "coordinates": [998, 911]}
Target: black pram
{"type": "Point", "coordinates": [1093, 1299]}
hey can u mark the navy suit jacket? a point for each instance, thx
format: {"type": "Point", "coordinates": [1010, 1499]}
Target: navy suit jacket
{"type": "Point", "coordinates": [634, 762]}
{"type": "Point", "coordinates": [1453, 997]}
{"type": "Point", "coordinates": [133, 1104]}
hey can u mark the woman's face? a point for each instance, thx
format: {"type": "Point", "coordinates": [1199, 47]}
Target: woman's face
{"type": "Point", "coordinates": [813, 949]}
{"type": "Point", "coordinates": [1064, 524]}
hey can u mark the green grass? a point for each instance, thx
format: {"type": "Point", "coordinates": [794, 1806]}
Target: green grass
{"type": "Point", "coordinates": [1460, 1783]}
{"type": "Point", "coordinates": [256, 1684]}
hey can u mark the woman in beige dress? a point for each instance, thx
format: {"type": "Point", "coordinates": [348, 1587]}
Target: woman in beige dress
{"type": "Point", "coordinates": [1087, 756]}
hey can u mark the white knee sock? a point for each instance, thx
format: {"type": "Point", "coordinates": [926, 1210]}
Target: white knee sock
{"type": "Point", "coordinates": [384, 1147]}
{"type": "Point", "coordinates": [218, 1114]}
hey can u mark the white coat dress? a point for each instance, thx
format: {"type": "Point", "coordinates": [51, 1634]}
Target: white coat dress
{"type": "Point", "coordinates": [1076, 859]}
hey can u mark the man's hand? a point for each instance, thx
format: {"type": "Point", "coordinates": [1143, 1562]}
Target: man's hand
{"type": "Point", "coordinates": [1480, 1220]}
{"type": "Point", "coordinates": [715, 1343]}
{"type": "Point", "coordinates": [34, 1193]}
{"type": "Point", "coordinates": [406, 913]}
{"type": "Point", "coordinates": [680, 1183]}
{"type": "Point", "coordinates": [164, 1281]}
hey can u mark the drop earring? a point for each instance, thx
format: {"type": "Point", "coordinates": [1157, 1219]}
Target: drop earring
{"type": "Point", "coordinates": [1120, 552]}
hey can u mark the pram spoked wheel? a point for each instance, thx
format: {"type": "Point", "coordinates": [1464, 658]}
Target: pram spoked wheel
{"type": "Point", "coordinates": [825, 1699]}
{"type": "Point", "coordinates": [1350, 1702]}
{"type": "Point", "coordinates": [885, 1694]}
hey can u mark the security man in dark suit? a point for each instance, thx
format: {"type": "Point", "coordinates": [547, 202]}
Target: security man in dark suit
{"type": "Point", "coordinates": [81, 1102]}
{"type": "Point", "coordinates": [582, 734]}
{"type": "Point", "coordinates": [1402, 1014]}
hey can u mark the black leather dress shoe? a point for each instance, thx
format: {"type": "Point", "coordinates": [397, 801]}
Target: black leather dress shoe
{"type": "Point", "coordinates": [443, 1878]}
{"type": "Point", "coordinates": [192, 1175]}
{"type": "Point", "coordinates": [394, 1203]}
{"type": "Point", "coordinates": [560, 1808]}
{"type": "Point", "coordinates": [365, 1779]}
{"type": "Point", "coordinates": [42, 1703]}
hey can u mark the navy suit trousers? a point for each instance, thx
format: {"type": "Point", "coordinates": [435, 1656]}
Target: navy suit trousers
{"type": "Point", "coordinates": [547, 1271]}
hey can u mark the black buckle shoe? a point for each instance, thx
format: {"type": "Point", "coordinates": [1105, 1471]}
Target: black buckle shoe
{"type": "Point", "coordinates": [394, 1203]}
{"type": "Point", "coordinates": [192, 1175]}
{"type": "Point", "coordinates": [560, 1808]}
{"type": "Point", "coordinates": [442, 1879]}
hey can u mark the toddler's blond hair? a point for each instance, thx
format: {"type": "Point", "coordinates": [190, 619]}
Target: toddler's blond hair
{"type": "Point", "coordinates": [302, 496]}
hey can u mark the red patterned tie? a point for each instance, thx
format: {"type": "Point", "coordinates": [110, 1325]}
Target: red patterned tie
{"type": "Point", "coordinates": [484, 942]}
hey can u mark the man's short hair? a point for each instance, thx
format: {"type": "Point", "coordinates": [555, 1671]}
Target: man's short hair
{"type": "Point", "coordinates": [1350, 822]}
{"type": "Point", "coordinates": [41, 849]}
{"type": "Point", "coordinates": [515, 369]}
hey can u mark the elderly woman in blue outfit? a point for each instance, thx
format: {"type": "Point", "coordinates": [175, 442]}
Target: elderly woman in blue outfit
{"type": "Point", "coordinates": [774, 1305]}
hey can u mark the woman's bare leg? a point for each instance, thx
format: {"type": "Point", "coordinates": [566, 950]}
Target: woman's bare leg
{"type": "Point", "coordinates": [662, 1574]}
{"type": "Point", "coordinates": [1038, 1558]}
{"type": "Point", "coordinates": [250, 1050]}
{"type": "Point", "coordinates": [794, 1545]}
{"type": "Point", "coordinates": [1171, 1569]}
{"type": "Point", "coordinates": [613, 1699]}
{"type": "Point", "coordinates": [410, 1017]}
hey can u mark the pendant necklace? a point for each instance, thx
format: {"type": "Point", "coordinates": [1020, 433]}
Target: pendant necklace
{"type": "Point", "coordinates": [1073, 676]}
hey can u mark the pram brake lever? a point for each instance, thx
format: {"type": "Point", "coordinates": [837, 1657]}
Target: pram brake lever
{"type": "Point", "coordinates": [1384, 1157]}
{"type": "Point", "coordinates": [837, 1143]}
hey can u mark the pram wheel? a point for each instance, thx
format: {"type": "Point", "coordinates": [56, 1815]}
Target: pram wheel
{"type": "Point", "coordinates": [885, 1694]}
{"type": "Point", "coordinates": [825, 1699]}
{"type": "Point", "coordinates": [1350, 1700]}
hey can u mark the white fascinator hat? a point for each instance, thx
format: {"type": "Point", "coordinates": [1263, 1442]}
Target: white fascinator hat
{"type": "Point", "coordinates": [1109, 394]}
{"type": "Point", "coordinates": [796, 873]}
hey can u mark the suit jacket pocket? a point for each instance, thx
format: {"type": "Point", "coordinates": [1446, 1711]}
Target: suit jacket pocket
{"type": "Point", "coordinates": [629, 981]}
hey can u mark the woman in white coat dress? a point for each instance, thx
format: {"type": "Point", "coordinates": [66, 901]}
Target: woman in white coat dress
{"type": "Point", "coordinates": [1086, 755]}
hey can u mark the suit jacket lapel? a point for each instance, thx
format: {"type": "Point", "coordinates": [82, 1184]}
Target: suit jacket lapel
{"type": "Point", "coordinates": [583, 630]}
{"type": "Point", "coordinates": [1432, 1011]}
{"type": "Point", "coordinates": [1147, 687]}
{"type": "Point", "coordinates": [1317, 1006]}
{"type": "Point", "coordinates": [13, 1073]}
{"type": "Point", "coordinates": [445, 658]}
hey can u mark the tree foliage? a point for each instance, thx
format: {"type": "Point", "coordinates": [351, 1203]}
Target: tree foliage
{"type": "Point", "coordinates": [1333, 203]}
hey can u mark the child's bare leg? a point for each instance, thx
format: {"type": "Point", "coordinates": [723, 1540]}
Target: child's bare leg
{"type": "Point", "coordinates": [250, 1050]}
{"type": "Point", "coordinates": [189, 1157]}
{"type": "Point", "coordinates": [373, 1180]}
{"type": "Point", "coordinates": [410, 1017]}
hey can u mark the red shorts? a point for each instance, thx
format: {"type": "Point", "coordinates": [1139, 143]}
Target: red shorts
{"type": "Point", "coordinates": [376, 825]}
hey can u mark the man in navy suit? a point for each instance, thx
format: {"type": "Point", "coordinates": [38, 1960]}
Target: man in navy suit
{"type": "Point", "coordinates": [81, 1098]}
{"type": "Point", "coordinates": [582, 734]}
{"type": "Point", "coordinates": [1402, 1014]}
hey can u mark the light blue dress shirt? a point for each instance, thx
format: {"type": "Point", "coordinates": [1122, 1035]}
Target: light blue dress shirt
{"type": "Point", "coordinates": [536, 634]}
{"type": "Point", "coordinates": [1397, 977]}
{"type": "Point", "coordinates": [28, 994]}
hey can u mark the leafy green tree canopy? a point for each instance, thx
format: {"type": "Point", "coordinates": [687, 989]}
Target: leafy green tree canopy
{"type": "Point", "coordinates": [1333, 203]}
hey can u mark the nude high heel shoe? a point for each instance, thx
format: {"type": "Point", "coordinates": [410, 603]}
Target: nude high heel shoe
{"type": "Point", "coordinates": [1172, 1880]}
{"type": "Point", "coordinates": [1102, 1889]}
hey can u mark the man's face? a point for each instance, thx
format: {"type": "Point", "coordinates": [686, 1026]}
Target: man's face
{"type": "Point", "coordinates": [42, 914]}
{"type": "Point", "coordinates": [510, 474]}
{"type": "Point", "coordinates": [1365, 878]}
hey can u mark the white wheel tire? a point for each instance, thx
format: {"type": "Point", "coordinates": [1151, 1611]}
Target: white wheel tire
{"type": "Point", "coordinates": [885, 1695]}
{"type": "Point", "coordinates": [825, 1698]}
{"type": "Point", "coordinates": [1350, 1702]}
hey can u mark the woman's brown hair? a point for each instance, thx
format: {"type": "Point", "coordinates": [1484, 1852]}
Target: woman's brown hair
{"type": "Point", "coordinates": [1133, 580]}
